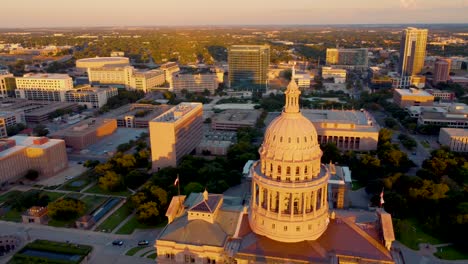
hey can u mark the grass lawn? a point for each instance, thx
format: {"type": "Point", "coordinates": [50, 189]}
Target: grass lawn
{"type": "Point", "coordinates": [53, 195]}
{"type": "Point", "coordinates": [116, 218]}
{"type": "Point", "coordinates": [92, 202]}
{"type": "Point", "coordinates": [134, 250]}
{"type": "Point", "coordinates": [12, 216]}
{"type": "Point", "coordinates": [6, 196]}
{"type": "Point", "coordinates": [152, 256]}
{"type": "Point", "coordinates": [147, 252]}
{"type": "Point", "coordinates": [58, 223]}
{"type": "Point", "coordinates": [78, 183]}
{"type": "Point", "coordinates": [450, 253]}
{"type": "Point", "coordinates": [74, 195]}
{"type": "Point", "coordinates": [96, 189]}
{"type": "Point", "coordinates": [133, 224]}
{"type": "Point", "coordinates": [409, 233]}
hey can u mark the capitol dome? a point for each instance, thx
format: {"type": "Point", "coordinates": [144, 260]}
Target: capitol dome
{"type": "Point", "coordinates": [289, 184]}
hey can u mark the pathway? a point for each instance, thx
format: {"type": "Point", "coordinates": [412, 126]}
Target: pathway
{"type": "Point", "coordinates": [111, 212]}
{"type": "Point", "coordinates": [122, 223]}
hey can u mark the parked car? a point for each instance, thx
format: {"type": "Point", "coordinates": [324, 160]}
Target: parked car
{"type": "Point", "coordinates": [143, 243]}
{"type": "Point", "coordinates": [117, 242]}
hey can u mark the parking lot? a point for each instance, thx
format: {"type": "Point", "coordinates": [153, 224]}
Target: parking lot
{"type": "Point", "coordinates": [110, 143]}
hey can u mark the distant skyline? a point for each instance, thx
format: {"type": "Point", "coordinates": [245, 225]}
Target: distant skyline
{"type": "Point", "coordinates": [87, 13]}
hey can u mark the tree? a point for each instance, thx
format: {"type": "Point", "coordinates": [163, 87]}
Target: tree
{"type": "Point", "coordinates": [66, 209]}
{"type": "Point", "coordinates": [159, 194]}
{"type": "Point", "coordinates": [32, 175]}
{"type": "Point", "coordinates": [385, 135]}
{"type": "Point", "coordinates": [148, 213]}
{"type": "Point", "coordinates": [91, 163]}
{"type": "Point", "coordinates": [331, 153]}
{"type": "Point", "coordinates": [41, 130]}
{"type": "Point", "coordinates": [135, 178]}
{"type": "Point", "coordinates": [193, 187]}
{"type": "Point", "coordinates": [111, 181]}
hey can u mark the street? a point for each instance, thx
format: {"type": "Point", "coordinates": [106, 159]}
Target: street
{"type": "Point", "coordinates": [103, 252]}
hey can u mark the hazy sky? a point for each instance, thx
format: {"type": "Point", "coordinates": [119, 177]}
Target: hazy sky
{"type": "Point", "coordinates": [58, 13]}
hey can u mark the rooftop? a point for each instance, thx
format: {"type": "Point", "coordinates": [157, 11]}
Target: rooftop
{"type": "Point", "coordinates": [103, 59]}
{"type": "Point", "coordinates": [248, 117]}
{"type": "Point", "coordinates": [46, 76]}
{"type": "Point", "coordinates": [29, 142]}
{"type": "Point", "coordinates": [456, 132]}
{"type": "Point", "coordinates": [82, 128]}
{"type": "Point", "coordinates": [151, 111]}
{"type": "Point", "coordinates": [32, 108]}
{"type": "Point", "coordinates": [413, 91]}
{"type": "Point", "coordinates": [175, 113]}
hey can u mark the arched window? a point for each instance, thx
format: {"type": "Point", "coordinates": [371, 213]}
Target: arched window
{"type": "Point", "coordinates": [289, 140]}
{"type": "Point", "coordinates": [297, 170]}
{"type": "Point", "coordinates": [306, 169]}
{"type": "Point", "coordinates": [297, 140]}
{"type": "Point", "coordinates": [288, 170]}
{"type": "Point", "coordinates": [271, 167]}
{"type": "Point", "coordinates": [279, 169]}
{"type": "Point", "coordinates": [281, 139]}
{"type": "Point", "coordinates": [305, 139]}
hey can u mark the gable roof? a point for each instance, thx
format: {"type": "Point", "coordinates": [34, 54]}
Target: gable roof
{"type": "Point", "coordinates": [208, 206]}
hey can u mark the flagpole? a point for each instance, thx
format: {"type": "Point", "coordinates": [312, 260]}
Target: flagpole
{"type": "Point", "coordinates": [178, 185]}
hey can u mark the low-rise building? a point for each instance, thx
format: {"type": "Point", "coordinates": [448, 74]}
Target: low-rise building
{"type": "Point", "coordinates": [7, 84]}
{"type": "Point", "coordinates": [35, 215]}
{"type": "Point", "coordinates": [442, 95]}
{"type": "Point", "coordinates": [412, 97]}
{"type": "Point", "coordinates": [455, 138]}
{"type": "Point", "coordinates": [136, 115]}
{"type": "Point", "coordinates": [9, 119]}
{"type": "Point", "coordinates": [339, 184]}
{"type": "Point", "coordinates": [175, 133]}
{"type": "Point", "coordinates": [98, 62]}
{"type": "Point", "coordinates": [19, 154]}
{"type": "Point", "coordinates": [216, 143]}
{"type": "Point", "coordinates": [194, 83]}
{"type": "Point", "coordinates": [338, 75]}
{"type": "Point", "coordinates": [127, 76]}
{"type": "Point", "coordinates": [35, 111]}
{"type": "Point", "coordinates": [43, 87]}
{"type": "Point", "coordinates": [91, 97]}
{"type": "Point", "coordinates": [349, 130]}
{"type": "Point", "coordinates": [456, 116]}
{"type": "Point", "coordinates": [86, 132]}
{"type": "Point", "coordinates": [302, 78]}
{"type": "Point", "coordinates": [234, 119]}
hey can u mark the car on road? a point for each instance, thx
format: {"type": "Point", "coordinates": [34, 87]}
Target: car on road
{"type": "Point", "coordinates": [414, 153]}
{"type": "Point", "coordinates": [117, 242]}
{"type": "Point", "coordinates": [143, 242]}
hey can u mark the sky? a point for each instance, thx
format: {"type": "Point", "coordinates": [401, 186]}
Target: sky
{"type": "Point", "coordinates": [86, 13]}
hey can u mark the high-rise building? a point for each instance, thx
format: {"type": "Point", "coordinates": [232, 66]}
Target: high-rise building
{"type": "Point", "coordinates": [348, 58]}
{"type": "Point", "coordinates": [43, 87]}
{"type": "Point", "coordinates": [441, 70]}
{"type": "Point", "coordinates": [248, 67]}
{"type": "Point", "coordinates": [412, 51]}
{"type": "Point", "coordinates": [175, 133]}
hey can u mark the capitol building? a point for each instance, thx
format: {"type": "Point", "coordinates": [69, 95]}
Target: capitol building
{"type": "Point", "coordinates": [289, 217]}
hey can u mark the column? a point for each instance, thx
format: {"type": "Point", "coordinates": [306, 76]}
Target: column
{"type": "Point", "coordinates": [254, 194]}
{"type": "Point", "coordinates": [324, 196]}
{"type": "Point", "coordinates": [303, 204]}
{"type": "Point", "coordinates": [291, 204]}
{"type": "Point", "coordinates": [314, 201]}
{"type": "Point", "coordinates": [268, 200]}
{"type": "Point", "coordinates": [280, 204]}
{"type": "Point", "coordinates": [260, 193]}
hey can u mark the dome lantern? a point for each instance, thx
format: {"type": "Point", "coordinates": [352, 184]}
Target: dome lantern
{"type": "Point", "coordinates": [292, 98]}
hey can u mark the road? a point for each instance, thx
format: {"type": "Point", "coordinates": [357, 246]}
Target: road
{"type": "Point", "coordinates": [103, 252]}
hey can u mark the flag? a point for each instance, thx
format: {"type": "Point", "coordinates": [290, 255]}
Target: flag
{"type": "Point", "coordinates": [176, 181]}
{"type": "Point", "coordinates": [381, 198]}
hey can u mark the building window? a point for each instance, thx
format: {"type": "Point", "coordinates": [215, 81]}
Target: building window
{"type": "Point", "coordinates": [285, 228]}
{"type": "Point", "coordinates": [288, 170]}
{"type": "Point", "coordinates": [306, 169]}
{"type": "Point", "coordinates": [273, 226]}
{"type": "Point", "coordinates": [279, 169]}
{"type": "Point", "coordinates": [298, 229]}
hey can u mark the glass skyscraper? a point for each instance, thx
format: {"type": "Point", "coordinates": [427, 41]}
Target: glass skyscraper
{"type": "Point", "coordinates": [248, 67]}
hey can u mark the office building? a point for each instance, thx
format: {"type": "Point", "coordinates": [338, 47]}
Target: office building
{"type": "Point", "coordinates": [287, 218]}
{"type": "Point", "coordinates": [7, 84]}
{"type": "Point", "coordinates": [303, 78]}
{"type": "Point", "coordinates": [338, 75]}
{"type": "Point", "coordinates": [412, 51]}
{"type": "Point", "coordinates": [194, 83]}
{"type": "Point", "coordinates": [43, 87]}
{"type": "Point", "coordinates": [248, 67]}
{"type": "Point", "coordinates": [175, 133]}
{"type": "Point", "coordinates": [86, 132]}
{"type": "Point", "coordinates": [234, 119]}
{"type": "Point", "coordinates": [169, 69]}
{"type": "Point", "coordinates": [91, 97]}
{"type": "Point", "coordinates": [127, 76]}
{"type": "Point", "coordinates": [412, 97]}
{"type": "Point", "coordinates": [348, 58]}
{"type": "Point", "coordinates": [99, 62]}
{"type": "Point", "coordinates": [441, 71]}
{"type": "Point", "coordinates": [455, 138]}
{"type": "Point", "coordinates": [19, 154]}
{"type": "Point", "coordinates": [9, 119]}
